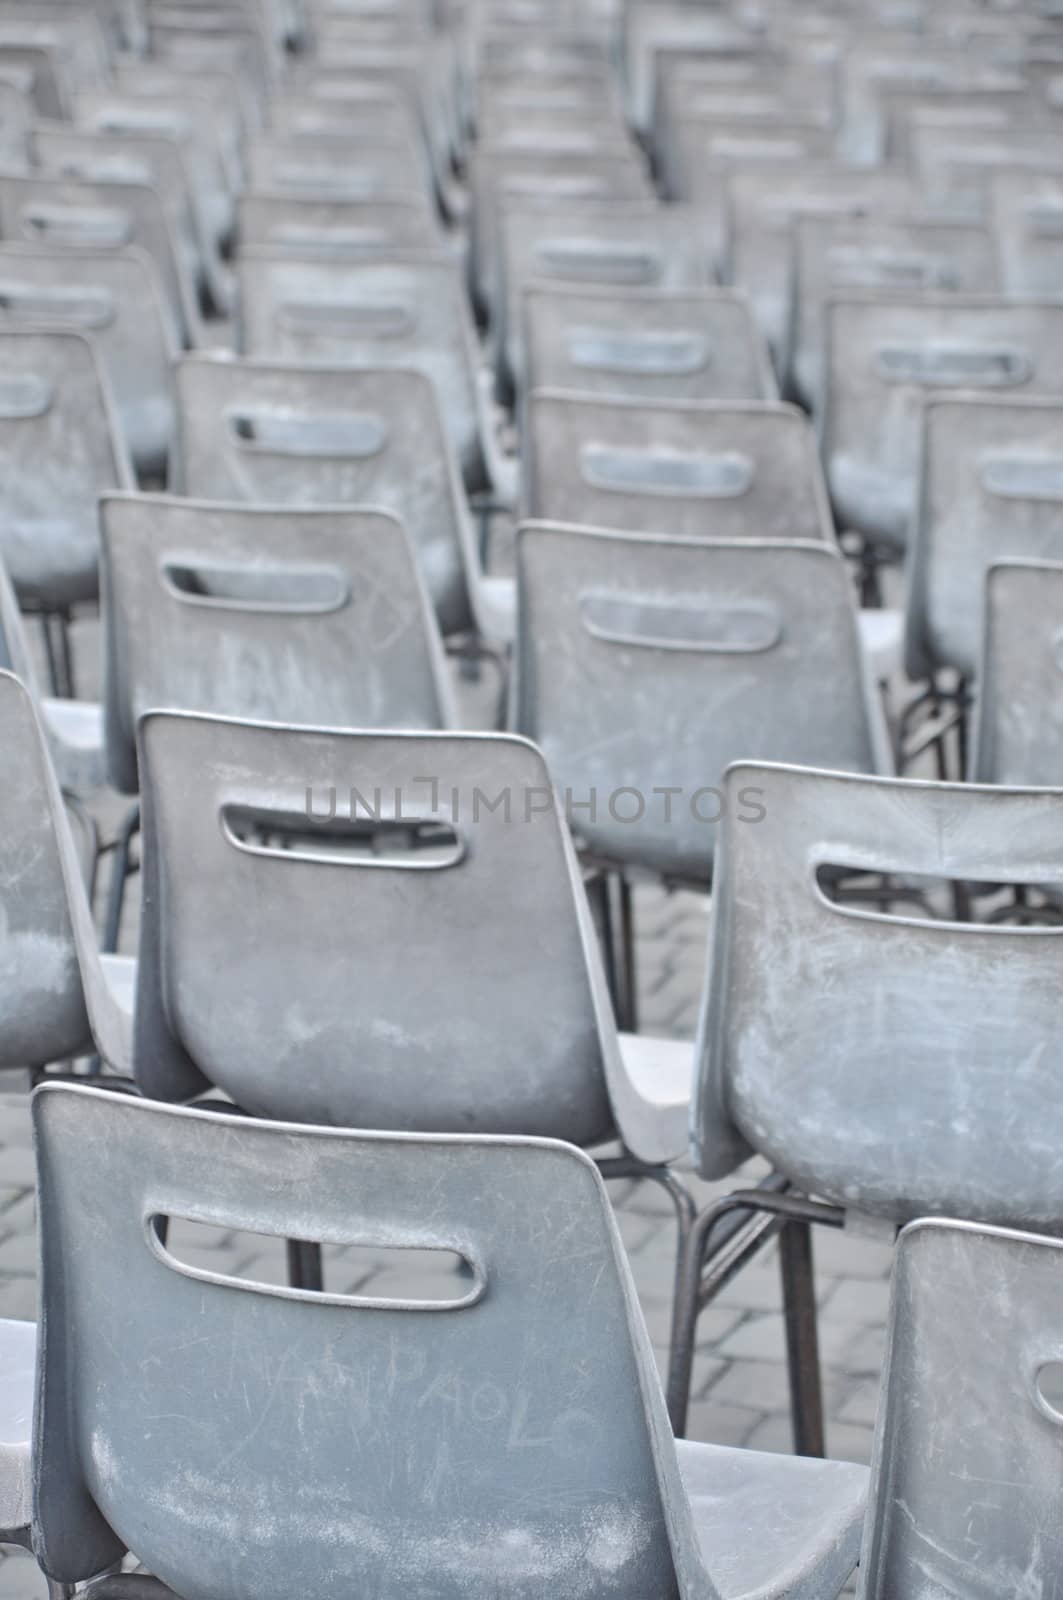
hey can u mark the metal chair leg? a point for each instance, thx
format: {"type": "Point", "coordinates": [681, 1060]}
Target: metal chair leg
{"type": "Point", "coordinates": [119, 873]}
{"type": "Point", "coordinates": [305, 1270]}
{"type": "Point", "coordinates": [802, 1339]}
{"type": "Point", "coordinates": [628, 956]}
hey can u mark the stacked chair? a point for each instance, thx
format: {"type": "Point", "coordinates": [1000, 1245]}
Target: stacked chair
{"type": "Point", "coordinates": [699, 369]}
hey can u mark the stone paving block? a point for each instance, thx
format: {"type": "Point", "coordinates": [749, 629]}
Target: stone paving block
{"type": "Point", "coordinates": [850, 1255]}
{"type": "Point", "coordinates": [17, 1167]}
{"type": "Point", "coordinates": [862, 1405]}
{"type": "Point", "coordinates": [847, 1441]}
{"type": "Point", "coordinates": [865, 1354]}
{"type": "Point", "coordinates": [18, 1254]}
{"type": "Point", "coordinates": [857, 1301]}
{"type": "Point", "coordinates": [757, 1385]}
{"type": "Point", "coordinates": [773, 1433]}
{"type": "Point", "coordinates": [21, 1578]}
{"type": "Point", "coordinates": [713, 1423]}
{"type": "Point", "coordinates": [18, 1298]}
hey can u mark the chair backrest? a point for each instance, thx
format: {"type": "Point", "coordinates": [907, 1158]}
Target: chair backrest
{"type": "Point", "coordinates": [1027, 212]}
{"type": "Point", "coordinates": [615, 246]}
{"type": "Point", "coordinates": [886, 355]}
{"type": "Point", "coordinates": [836, 255]}
{"type": "Point", "coordinates": [408, 310]}
{"type": "Point", "coordinates": [291, 616]}
{"type": "Point", "coordinates": [389, 984]}
{"type": "Point", "coordinates": [990, 489]}
{"type": "Point", "coordinates": [545, 1393]}
{"type": "Point", "coordinates": [646, 344]}
{"type": "Point", "coordinates": [331, 436]}
{"type": "Point", "coordinates": [646, 665]}
{"type": "Point", "coordinates": [60, 446]}
{"type": "Point", "coordinates": [115, 297]}
{"type": "Point", "coordinates": [972, 1380]}
{"type": "Point", "coordinates": [691, 469]}
{"type": "Point", "coordinates": [884, 1061]}
{"type": "Point", "coordinates": [40, 980]}
{"type": "Point", "coordinates": [337, 227]}
{"type": "Point", "coordinates": [955, 167]}
{"type": "Point", "coordinates": [99, 216]}
{"type": "Point", "coordinates": [1018, 721]}
{"type": "Point", "coordinates": [341, 169]}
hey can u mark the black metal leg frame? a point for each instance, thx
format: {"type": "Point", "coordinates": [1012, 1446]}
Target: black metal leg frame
{"type": "Point", "coordinates": [721, 1240]}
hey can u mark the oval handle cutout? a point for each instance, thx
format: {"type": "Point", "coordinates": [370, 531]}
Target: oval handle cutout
{"type": "Point", "coordinates": [397, 838]}
{"type": "Point", "coordinates": [869, 890]}
{"type": "Point", "coordinates": [105, 169]}
{"type": "Point", "coordinates": [667, 472]}
{"type": "Point", "coordinates": [78, 308]}
{"type": "Point", "coordinates": [381, 319]}
{"type": "Point", "coordinates": [287, 433]}
{"type": "Point", "coordinates": [455, 1281]}
{"type": "Point", "coordinates": [1048, 1389]}
{"type": "Point", "coordinates": [232, 586]}
{"type": "Point", "coordinates": [599, 261]}
{"type": "Point", "coordinates": [648, 354]}
{"type": "Point", "coordinates": [94, 225]}
{"type": "Point", "coordinates": [953, 366]}
{"type": "Point", "coordinates": [23, 395]}
{"type": "Point", "coordinates": [853, 267]}
{"type": "Point", "coordinates": [1016, 477]}
{"type": "Point", "coordinates": [655, 624]}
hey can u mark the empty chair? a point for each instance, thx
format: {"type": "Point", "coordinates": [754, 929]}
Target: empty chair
{"type": "Point", "coordinates": [290, 616]}
{"type": "Point", "coordinates": [610, 1504]}
{"type": "Point", "coordinates": [646, 344]}
{"type": "Point", "coordinates": [59, 997]}
{"type": "Point", "coordinates": [648, 247]}
{"type": "Point", "coordinates": [60, 445]}
{"type": "Point", "coordinates": [333, 167]}
{"type": "Point", "coordinates": [407, 310]}
{"type": "Point", "coordinates": [885, 356]}
{"type": "Point", "coordinates": [993, 1415]}
{"type": "Point", "coordinates": [338, 227]}
{"type": "Point", "coordinates": [933, 1090]}
{"type": "Point", "coordinates": [1018, 720]}
{"type": "Point", "coordinates": [691, 469]}
{"type": "Point", "coordinates": [116, 298]}
{"type": "Point", "coordinates": [1027, 211]}
{"type": "Point", "coordinates": [836, 255]}
{"type": "Point", "coordinates": [955, 167]}
{"type": "Point", "coordinates": [991, 489]}
{"type": "Point", "coordinates": [331, 436]}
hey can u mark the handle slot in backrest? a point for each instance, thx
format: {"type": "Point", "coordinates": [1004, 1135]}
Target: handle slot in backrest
{"type": "Point", "coordinates": [576, 186]}
{"type": "Point", "coordinates": [1048, 1389]}
{"type": "Point", "coordinates": [78, 225]}
{"type": "Point", "coordinates": [291, 588]}
{"type": "Point", "coordinates": [455, 1282]}
{"type": "Point", "coordinates": [23, 395]}
{"type": "Point", "coordinates": [275, 431]}
{"type": "Point", "coordinates": [725, 476]}
{"type": "Point", "coordinates": [852, 266]}
{"type": "Point", "coordinates": [867, 890]}
{"type": "Point", "coordinates": [387, 832]}
{"type": "Point", "coordinates": [737, 147]}
{"type": "Point", "coordinates": [104, 169]}
{"type": "Point", "coordinates": [652, 623]}
{"type": "Point", "coordinates": [79, 308]}
{"type": "Point", "coordinates": [937, 364]}
{"type": "Point", "coordinates": [599, 260]}
{"type": "Point", "coordinates": [1044, 218]}
{"type": "Point", "coordinates": [1022, 477]}
{"type": "Point", "coordinates": [648, 354]}
{"type": "Point", "coordinates": [380, 319]}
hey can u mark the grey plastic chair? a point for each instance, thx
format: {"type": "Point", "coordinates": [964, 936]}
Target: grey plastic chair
{"type": "Point", "coordinates": [331, 166]}
{"type": "Point", "coordinates": [116, 298]}
{"type": "Point", "coordinates": [955, 167]}
{"type": "Point", "coordinates": [101, 216]}
{"type": "Point", "coordinates": [992, 1413]}
{"type": "Point", "coordinates": [407, 310]}
{"type": "Point", "coordinates": [1027, 212]}
{"type": "Point", "coordinates": [282, 435]}
{"type": "Point", "coordinates": [293, 616]}
{"type": "Point", "coordinates": [836, 255]}
{"type": "Point", "coordinates": [60, 445]}
{"type": "Point", "coordinates": [646, 665]}
{"type": "Point", "coordinates": [1018, 723]}
{"type": "Point", "coordinates": [991, 489]}
{"type": "Point", "coordinates": [60, 998]}
{"type": "Point", "coordinates": [886, 355]}
{"type": "Point", "coordinates": [646, 344]}
{"type": "Point", "coordinates": [609, 1504]}
{"type": "Point", "coordinates": [615, 245]}
{"type": "Point", "coordinates": [933, 1090]}
{"type": "Point", "coordinates": [337, 227]}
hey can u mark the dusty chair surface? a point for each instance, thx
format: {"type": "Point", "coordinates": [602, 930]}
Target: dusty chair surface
{"type": "Point", "coordinates": [647, 344]}
{"type": "Point", "coordinates": [972, 1380]}
{"type": "Point", "coordinates": [341, 227]}
{"type": "Point", "coordinates": [933, 1090]}
{"type": "Point", "coordinates": [1027, 213]}
{"type": "Point", "coordinates": [1018, 721]}
{"type": "Point", "coordinates": [285, 435]}
{"type": "Point", "coordinates": [363, 169]}
{"type": "Point", "coordinates": [296, 616]}
{"type": "Point", "coordinates": [698, 468]}
{"type": "Point", "coordinates": [570, 1481]}
{"type": "Point", "coordinates": [646, 661]}
{"type": "Point", "coordinates": [60, 446]}
{"type": "Point", "coordinates": [886, 356]}
{"type": "Point", "coordinates": [114, 296]}
{"type": "Point", "coordinates": [406, 311]}
{"type": "Point", "coordinates": [991, 488]}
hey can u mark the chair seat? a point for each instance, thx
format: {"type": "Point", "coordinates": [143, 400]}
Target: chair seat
{"type": "Point", "coordinates": [882, 638]}
{"type": "Point", "coordinates": [18, 1354]}
{"type": "Point", "coordinates": [120, 976]}
{"type": "Point", "coordinates": [661, 1073]}
{"type": "Point", "coordinates": [774, 1525]}
{"type": "Point", "coordinates": [497, 608]}
{"type": "Point", "coordinates": [75, 738]}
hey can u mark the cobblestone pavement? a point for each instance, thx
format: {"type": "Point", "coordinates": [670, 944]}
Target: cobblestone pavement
{"type": "Point", "coordinates": [740, 1382]}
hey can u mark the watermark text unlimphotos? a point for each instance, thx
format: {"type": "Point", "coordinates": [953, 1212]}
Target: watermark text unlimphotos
{"type": "Point", "coordinates": [667, 804]}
